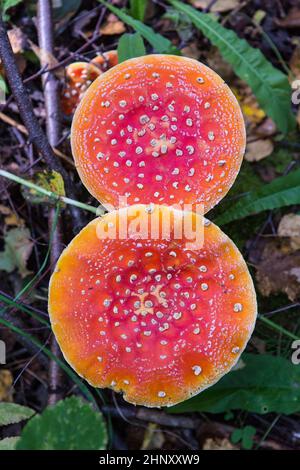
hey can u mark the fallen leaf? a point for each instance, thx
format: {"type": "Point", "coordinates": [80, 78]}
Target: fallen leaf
{"type": "Point", "coordinates": [17, 249]}
{"type": "Point", "coordinates": [253, 113]}
{"type": "Point", "coordinates": [289, 226]}
{"type": "Point", "coordinates": [258, 150]}
{"type": "Point", "coordinates": [6, 385]}
{"type": "Point", "coordinates": [218, 7]}
{"type": "Point", "coordinates": [112, 26]}
{"type": "Point", "coordinates": [277, 268]}
{"type": "Point", "coordinates": [44, 56]}
{"type": "Point", "coordinates": [251, 110]}
{"type": "Point", "coordinates": [295, 63]}
{"type": "Point", "coordinates": [17, 39]}
{"type": "Point", "coordinates": [292, 19]}
{"type": "Point", "coordinates": [217, 443]}
{"type": "Point", "coordinates": [10, 217]}
{"type": "Point", "coordinates": [267, 128]}
{"type": "Point", "coordinates": [49, 180]}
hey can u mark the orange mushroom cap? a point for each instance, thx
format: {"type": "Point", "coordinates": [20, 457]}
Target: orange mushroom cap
{"type": "Point", "coordinates": [159, 319]}
{"type": "Point", "coordinates": [106, 61]}
{"type": "Point", "coordinates": [159, 128]}
{"type": "Point", "coordinates": [79, 76]}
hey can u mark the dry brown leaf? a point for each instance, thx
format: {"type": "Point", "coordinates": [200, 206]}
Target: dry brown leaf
{"type": "Point", "coordinates": [295, 63]}
{"type": "Point", "coordinates": [289, 226]}
{"type": "Point", "coordinates": [112, 26]}
{"type": "Point", "coordinates": [292, 19]}
{"type": "Point", "coordinates": [217, 443]}
{"type": "Point", "coordinates": [277, 268]}
{"type": "Point", "coordinates": [267, 128]}
{"type": "Point", "coordinates": [6, 382]}
{"type": "Point", "coordinates": [298, 117]}
{"type": "Point", "coordinates": [258, 150]}
{"type": "Point", "coordinates": [11, 218]}
{"type": "Point", "coordinates": [252, 112]}
{"type": "Point", "coordinates": [44, 56]}
{"type": "Point", "coordinates": [16, 39]}
{"type": "Point", "coordinates": [218, 7]}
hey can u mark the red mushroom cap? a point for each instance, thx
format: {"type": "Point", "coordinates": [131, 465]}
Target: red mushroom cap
{"type": "Point", "coordinates": [162, 129]}
{"type": "Point", "coordinates": [79, 76]}
{"type": "Point", "coordinates": [158, 319]}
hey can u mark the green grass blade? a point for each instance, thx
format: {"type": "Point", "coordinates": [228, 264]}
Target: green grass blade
{"type": "Point", "coordinates": [51, 356]}
{"type": "Point", "coordinates": [23, 308]}
{"type": "Point", "coordinates": [137, 9]}
{"type": "Point", "coordinates": [270, 85]}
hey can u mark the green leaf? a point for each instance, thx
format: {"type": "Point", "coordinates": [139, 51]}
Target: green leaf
{"type": "Point", "coordinates": [158, 42]}
{"type": "Point", "coordinates": [245, 436]}
{"type": "Point", "coordinates": [71, 424]}
{"type": "Point", "coordinates": [130, 46]}
{"type": "Point", "coordinates": [11, 413]}
{"type": "Point", "coordinates": [248, 436]}
{"type": "Point", "coordinates": [17, 249]}
{"type": "Point", "coordinates": [270, 85]}
{"type": "Point", "coordinates": [50, 181]}
{"type": "Point", "coordinates": [9, 443]}
{"type": "Point", "coordinates": [261, 384]}
{"type": "Point", "coordinates": [137, 9]}
{"type": "Point", "coordinates": [7, 4]}
{"type": "Point", "coordinates": [281, 192]}
{"type": "Point", "coordinates": [236, 436]}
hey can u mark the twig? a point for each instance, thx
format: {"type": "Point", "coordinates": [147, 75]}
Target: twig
{"type": "Point", "coordinates": [55, 372]}
{"type": "Point", "coordinates": [53, 126]}
{"type": "Point", "coordinates": [153, 416]}
{"type": "Point", "coordinates": [12, 122]}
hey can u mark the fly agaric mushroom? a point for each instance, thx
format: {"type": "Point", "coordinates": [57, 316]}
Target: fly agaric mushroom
{"type": "Point", "coordinates": [159, 128]}
{"type": "Point", "coordinates": [106, 60]}
{"type": "Point", "coordinates": [79, 76]}
{"type": "Point", "coordinates": [158, 319]}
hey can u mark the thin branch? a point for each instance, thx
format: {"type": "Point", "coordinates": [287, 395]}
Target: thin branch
{"type": "Point", "coordinates": [12, 122]}
{"type": "Point", "coordinates": [53, 127]}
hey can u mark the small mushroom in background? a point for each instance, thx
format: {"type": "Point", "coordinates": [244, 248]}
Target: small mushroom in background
{"type": "Point", "coordinates": [80, 75]}
{"type": "Point", "coordinates": [160, 129]}
{"type": "Point", "coordinates": [106, 60]}
{"type": "Point", "coordinates": [159, 319]}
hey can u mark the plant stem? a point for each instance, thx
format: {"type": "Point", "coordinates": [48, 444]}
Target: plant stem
{"type": "Point", "coordinates": [279, 328]}
{"type": "Point", "coordinates": [50, 194]}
